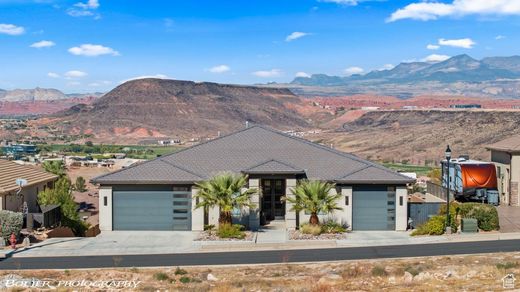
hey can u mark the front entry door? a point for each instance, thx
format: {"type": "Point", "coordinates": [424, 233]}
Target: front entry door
{"type": "Point", "coordinates": [272, 205]}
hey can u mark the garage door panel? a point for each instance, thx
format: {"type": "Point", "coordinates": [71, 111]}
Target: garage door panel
{"type": "Point", "coordinates": [373, 208]}
{"type": "Point", "coordinates": [151, 210]}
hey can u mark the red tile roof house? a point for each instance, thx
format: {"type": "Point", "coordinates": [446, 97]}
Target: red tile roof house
{"type": "Point", "coordinates": [158, 194]}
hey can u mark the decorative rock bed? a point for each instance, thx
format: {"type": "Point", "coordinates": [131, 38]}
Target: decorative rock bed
{"type": "Point", "coordinates": [297, 235]}
{"type": "Point", "coordinates": [212, 236]}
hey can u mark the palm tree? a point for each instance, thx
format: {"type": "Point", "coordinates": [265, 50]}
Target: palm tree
{"type": "Point", "coordinates": [314, 197]}
{"type": "Point", "coordinates": [225, 191]}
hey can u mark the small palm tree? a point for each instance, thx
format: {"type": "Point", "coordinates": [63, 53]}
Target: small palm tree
{"type": "Point", "coordinates": [314, 197]}
{"type": "Point", "coordinates": [225, 191]}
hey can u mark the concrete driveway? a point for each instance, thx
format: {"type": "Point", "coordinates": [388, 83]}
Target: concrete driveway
{"type": "Point", "coordinates": [509, 217]}
{"type": "Point", "coordinates": [115, 243]}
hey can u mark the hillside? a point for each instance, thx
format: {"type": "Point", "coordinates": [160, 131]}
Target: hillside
{"type": "Point", "coordinates": [422, 135]}
{"type": "Point", "coordinates": [158, 107]}
{"type": "Point", "coordinates": [459, 75]}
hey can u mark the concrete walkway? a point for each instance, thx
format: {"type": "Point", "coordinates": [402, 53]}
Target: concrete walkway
{"type": "Point", "coordinates": [509, 217]}
{"type": "Point", "coordinates": [274, 232]}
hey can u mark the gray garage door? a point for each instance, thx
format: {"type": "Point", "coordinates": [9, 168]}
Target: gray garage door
{"type": "Point", "coordinates": [151, 210]}
{"type": "Point", "coordinates": [373, 208]}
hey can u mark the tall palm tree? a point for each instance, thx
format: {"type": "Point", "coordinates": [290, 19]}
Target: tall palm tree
{"type": "Point", "coordinates": [225, 191]}
{"type": "Point", "coordinates": [314, 197]}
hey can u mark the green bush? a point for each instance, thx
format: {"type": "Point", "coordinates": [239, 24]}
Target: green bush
{"type": "Point", "coordinates": [10, 222]}
{"type": "Point", "coordinates": [507, 265]}
{"type": "Point", "coordinates": [331, 226]}
{"type": "Point", "coordinates": [435, 226]}
{"type": "Point", "coordinates": [378, 271]}
{"type": "Point", "coordinates": [486, 215]}
{"type": "Point", "coordinates": [209, 227]}
{"type": "Point", "coordinates": [160, 276]}
{"type": "Point", "coordinates": [180, 271]}
{"type": "Point", "coordinates": [310, 229]}
{"type": "Point", "coordinates": [231, 231]}
{"type": "Point", "coordinates": [79, 185]}
{"type": "Point", "coordinates": [454, 211]}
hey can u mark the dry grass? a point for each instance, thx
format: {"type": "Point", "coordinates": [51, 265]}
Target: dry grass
{"type": "Point", "coordinates": [470, 273]}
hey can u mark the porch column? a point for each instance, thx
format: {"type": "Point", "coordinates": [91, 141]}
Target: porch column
{"type": "Point", "coordinates": [290, 216]}
{"type": "Point", "coordinates": [105, 208]}
{"type": "Point", "coordinates": [197, 214]}
{"type": "Point", "coordinates": [401, 208]}
{"type": "Point", "coordinates": [346, 204]}
{"type": "Point", "coordinates": [254, 213]}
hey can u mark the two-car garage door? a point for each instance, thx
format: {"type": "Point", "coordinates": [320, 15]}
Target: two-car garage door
{"type": "Point", "coordinates": [373, 208]}
{"type": "Point", "coordinates": [151, 210]}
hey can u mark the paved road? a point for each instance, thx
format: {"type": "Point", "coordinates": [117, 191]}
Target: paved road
{"type": "Point", "coordinates": [262, 257]}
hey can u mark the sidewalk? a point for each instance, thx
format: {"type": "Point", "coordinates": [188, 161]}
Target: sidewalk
{"type": "Point", "coordinates": [143, 243]}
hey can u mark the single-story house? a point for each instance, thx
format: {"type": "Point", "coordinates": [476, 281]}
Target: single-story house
{"type": "Point", "coordinates": [505, 155]}
{"type": "Point", "coordinates": [12, 197]}
{"type": "Point", "coordinates": [158, 194]}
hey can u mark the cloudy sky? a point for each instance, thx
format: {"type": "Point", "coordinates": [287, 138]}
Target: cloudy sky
{"type": "Point", "coordinates": [94, 45]}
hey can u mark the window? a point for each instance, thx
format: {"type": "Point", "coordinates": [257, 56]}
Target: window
{"type": "Point", "coordinates": [400, 200]}
{"type": "Point", "coordinates": [346, 200]}
{"type": "Point", "coordinates": [105, 201]}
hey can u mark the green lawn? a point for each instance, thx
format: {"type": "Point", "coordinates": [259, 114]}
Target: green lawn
{"type": "Point", "coordinates": [421, 170]}
{"type": "Point", "coordinates": [134, 151]}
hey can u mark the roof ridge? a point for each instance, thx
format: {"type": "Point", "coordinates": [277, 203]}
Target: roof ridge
{"type": "Point", "coordinates": [181, 168]}
{"type": "Point", "coordinates": [353, 172]}
{"type": "Point", "coordinates": [274, 160]}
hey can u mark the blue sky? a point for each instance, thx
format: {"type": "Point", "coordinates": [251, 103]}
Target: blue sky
{"type": "Point", "coordinates": [89, 45]}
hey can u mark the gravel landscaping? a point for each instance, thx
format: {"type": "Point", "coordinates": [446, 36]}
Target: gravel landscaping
{"type": "Point", "coordinates": [212, 236]}
{"type": "Point", "coordinates": [297, 235]}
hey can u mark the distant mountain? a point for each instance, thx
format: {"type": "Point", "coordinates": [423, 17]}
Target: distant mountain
{"type": "Point", "coordinates": [38, 94]}
{"type": "Point", "coordinates": [459, 75]}
{"type": "Point", "coordinates": [157, 107]}
{"type": "Point", "coordinates": [461, 68]}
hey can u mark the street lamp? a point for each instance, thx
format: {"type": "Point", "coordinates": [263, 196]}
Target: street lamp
{"type": "Point", "coordinates": [448, 158]}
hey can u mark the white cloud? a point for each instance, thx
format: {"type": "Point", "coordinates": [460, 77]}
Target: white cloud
{"type": "Point", "coordinates": [387, 67]}
{"type": "Point", "coordinates": [43, 44]}
{"type": "Point", "coordinates": [84, 9]}
{"type": "Point", "coordinates": [11, 29]}
{"type": "Point", "coordinates": [500, 37]}
{"type": "Point", "coordinates": [90, 50]}
{"type": "Point", "coordinates": [353, 70]}
{"type": "Point", "coordinates": [434, 10]}
{"type": "Point", "coordinates": [100, 83]}
{"type": "Point", "coordinates": [219, 69]}
{"type": "Point", "coordinates": [156, 76]}
{"type": "Point", "coordinates": [295, 35]}
{"type": "Point", "coordinates": [73, 83]}
{"type": "Point", "coordinates": [74, 74]}
{"type": "Point", "coordinates": [302, 74]}
{"type": "Point", "coordinates": [268, 73]}
{"type": "Point", "coordinates": [349, 2]}
{"type": "Point", "coordinates": [435, 58]}
{"type": "Point", "coordinates": [432, 47]}
{"type": "Point", "coordinates": [466, 43]}
{"type": "Point", "coordinates": [53, 75]}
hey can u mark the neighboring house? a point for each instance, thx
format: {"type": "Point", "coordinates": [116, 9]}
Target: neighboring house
{"type": "Point", "coordinates": [506, 156]}
{"type": "Point", "coordinates": [158, 194]}
{"type": "Point", "coordinates": [11, 196]}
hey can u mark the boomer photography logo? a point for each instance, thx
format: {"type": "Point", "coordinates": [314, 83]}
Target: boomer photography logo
{"type": "Point", "coordinates": [15, 281]}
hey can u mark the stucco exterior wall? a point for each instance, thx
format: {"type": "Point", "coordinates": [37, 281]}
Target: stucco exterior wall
{"type": "Point", "coordinates": [290, 216]}
{"type": "Point", "coordinates": [401, 208]}
{"type": "Point", "coordinates": [346, 192]}
{"type": "Point", "coordinates": [197, 214]}
{"type": "Point", "coordinates": [105, 212]}
{"type": "Point", "coordinates": [13, 202]}
{"type": "Point", "coordinates": [514, 198]}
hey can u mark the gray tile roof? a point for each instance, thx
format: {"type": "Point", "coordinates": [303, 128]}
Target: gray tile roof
{"type": "Point", "coordinates": [255, 149]}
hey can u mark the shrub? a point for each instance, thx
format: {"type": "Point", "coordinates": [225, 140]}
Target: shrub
{"type": "Point", "coordinates": [378, 271]}
{"type": "Point", "coordinates": [185, 280]}
{"type": "Point", "coordinates": [10, 222]}
{"type": "Point", "coordinates": [180, 271]}
{"type": "Point", "coordinates": [310, 229]}
{"type": "Point", "coordinates": [486, 215]}
{"type": "Point", "coordinates": [507, 265]}
{"type": "Point", "coordinates": [435, 226]}
{"type": "Point", "coordinates": [160, 276]}
{"type": "Point", "coordinates": [231, 231]}
{"type": "Point", "coordinates": [454, 211]}
{"type": "Point", "coordinates": [331, 226]}
{"type": "Point", "coordinates": [209, 227]}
